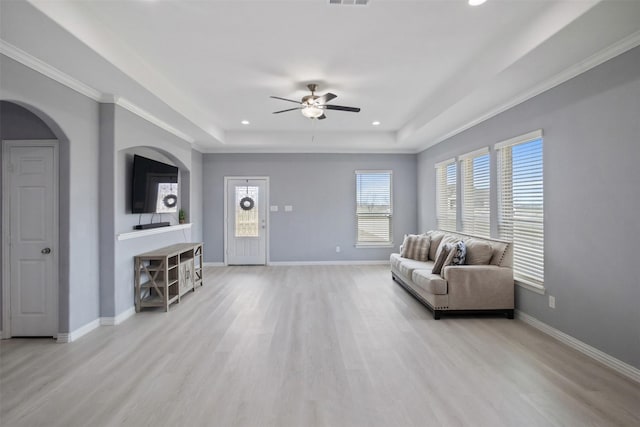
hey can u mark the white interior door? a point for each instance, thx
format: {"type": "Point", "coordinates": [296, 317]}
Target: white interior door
{"type": "Point", "coordinates": [31, 183]}
{"type": "Point", "coordinates": [246, 228]}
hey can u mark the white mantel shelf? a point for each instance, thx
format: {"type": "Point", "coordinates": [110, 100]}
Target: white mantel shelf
{"type": "Point", "coordinates": [141, 233]}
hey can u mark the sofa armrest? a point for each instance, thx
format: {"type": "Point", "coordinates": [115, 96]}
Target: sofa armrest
{"type": "Point", "coordinates": [479, 287]}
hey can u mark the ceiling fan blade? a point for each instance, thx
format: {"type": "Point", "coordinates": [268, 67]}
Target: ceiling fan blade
{"type": "Point", "coordinates": [284, 111]}
{"type": "Point", "coordinates": [325, 98]}
{"type": "Point", "coordinates": [285, 99]}
{"type": "Point", "coordinates": [322, 117]}
{"type": "Point", "coordinates": [341, 108]}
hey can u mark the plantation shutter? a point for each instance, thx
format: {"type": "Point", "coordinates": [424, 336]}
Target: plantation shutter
{"type": "Point", "coordinates": [446, 187]}
{"type": "Point", "coordinates": [475, 193]}
{"type": "Point", "coordinates": [521, 204]}
{"type": "Point", "coordinates": [373, 207]}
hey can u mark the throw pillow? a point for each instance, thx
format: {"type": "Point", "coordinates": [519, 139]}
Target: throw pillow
{"type": "Point", "coordinates": [447, 239]}
{"type": "Point", "coordinates": [415, 247]}
{"type": "Point", "coordinates": [460, 255]}
{"type": "Point", "coordinates": [442, 257]}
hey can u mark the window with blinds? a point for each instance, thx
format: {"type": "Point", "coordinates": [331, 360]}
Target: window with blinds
{"type": "Point", "coordinates": [374, 207]}
{"type": "Point", "coordinates": [521, 204]}
{"type": "Point", "coordinates": [475, 193]}
{"type": "Point", "coordinates": [446, 188]}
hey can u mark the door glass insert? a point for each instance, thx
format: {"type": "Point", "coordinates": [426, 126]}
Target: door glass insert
{"type": "Point", "coordinates": [247, 221]}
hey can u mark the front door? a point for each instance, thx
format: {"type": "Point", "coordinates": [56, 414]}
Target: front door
{"type": "Point", "coordinates": [31, 201]}
{"type": "Point", "coordinates": [246, 242]}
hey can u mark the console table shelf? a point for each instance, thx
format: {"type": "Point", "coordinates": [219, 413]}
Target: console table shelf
{"type": "Point", "coordinates": [166, 274]}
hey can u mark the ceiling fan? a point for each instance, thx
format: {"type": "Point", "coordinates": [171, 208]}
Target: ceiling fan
{"type": "Point", "coordinates": [314, 106]}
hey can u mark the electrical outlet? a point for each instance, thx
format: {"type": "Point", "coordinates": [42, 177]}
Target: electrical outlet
{"type": "Point", "coordinates": [338, 249]}
{"type": "Point", "coordinates": [552, 301]}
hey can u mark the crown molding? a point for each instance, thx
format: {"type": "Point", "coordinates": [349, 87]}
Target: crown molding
{"type": "Point", "coordinates": [61, 77]}
{"type": "Point", "coordinates": [50, 71]}
{"type": "Point", "coordinates": [128, 105]}
{"type": "Point", "coordinates": [618, 48]}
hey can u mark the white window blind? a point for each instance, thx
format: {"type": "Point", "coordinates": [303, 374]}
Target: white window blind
{"type": "Point", "coordinates": [475, 193]}
{"type": "Point", "coordinates": [521, 204]}
{"type": "Point", "coordinates": [446, 187]}
{"type": "Point", "coordinates": [374, 207]}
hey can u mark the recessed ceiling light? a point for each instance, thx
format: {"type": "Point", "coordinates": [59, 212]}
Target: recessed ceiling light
{"type": "Point", "coordinates": [245, 122]}
{"type": "Point", "coordinates": [476, 2]}
{"type": "Point", "coordinates": [376, 123]}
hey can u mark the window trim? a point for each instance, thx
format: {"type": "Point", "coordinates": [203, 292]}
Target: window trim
{"type": "Point", "coordinates": [530, 285]}
{"type": "Point", "coordinates": [369, 245]}
{"type": "Point", "coordinates": [484, 151]}
{"type": "Point", "coordinates": [437, 167]}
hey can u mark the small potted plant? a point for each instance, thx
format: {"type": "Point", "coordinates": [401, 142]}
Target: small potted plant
{"type": "Point", "coordinates": [181, 216]}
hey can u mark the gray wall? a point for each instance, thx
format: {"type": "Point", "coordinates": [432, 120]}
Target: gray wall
{"type": "Point", "coordinates": [73, 119]}
{"type": "Point", "coordinates": [591, 130]}
{"type": "Point", "coordinates": [133, 135]}
{"type": "Point", "coordinates": [97, 142]}
{"type": "Point", "coordinates": [195, 213]}
{"type": "Point", "coordinates": [17, 122]}
{"type": "Point", "coordinates": [321, 189]}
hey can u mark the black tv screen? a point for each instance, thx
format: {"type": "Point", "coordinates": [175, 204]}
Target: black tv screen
{"type": "Point", "coordinates": [155, 186]}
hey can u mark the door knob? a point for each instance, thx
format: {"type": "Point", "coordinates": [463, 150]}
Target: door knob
{"type": "Point", "coordinates": [46, 251]}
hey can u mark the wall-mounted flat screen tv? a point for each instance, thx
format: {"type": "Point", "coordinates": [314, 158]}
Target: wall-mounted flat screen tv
{"type": "Point", "coordinates": [155, 186]}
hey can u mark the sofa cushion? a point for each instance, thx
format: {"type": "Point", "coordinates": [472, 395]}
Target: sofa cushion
{"type": "Point", "coordinates": [406, 266]}
{"type": "Point", "coordinates": [478, 252]}
{"type": "Point", "coordinates": [443, 254]}
{"type": "Point", "coordinates": [436, 237]}
{"type": "Point", "coordinates": [395, 260]}
{"type": "Point", "coordinates": [416, 246]}
{"type": "Point", "coordinates": [429, 282]}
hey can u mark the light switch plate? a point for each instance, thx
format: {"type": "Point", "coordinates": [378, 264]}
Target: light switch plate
{"type": "Point", "coordinates": [274, 208]}
{"type": "Point", "coordinates": [288, 208]}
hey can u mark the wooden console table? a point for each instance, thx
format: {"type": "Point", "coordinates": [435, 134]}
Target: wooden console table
{"type": "Point", "coordinates": [162, 276]}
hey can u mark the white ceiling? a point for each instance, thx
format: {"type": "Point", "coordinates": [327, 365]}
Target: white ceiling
{"type": "Point", "coordinates": [425, 69]}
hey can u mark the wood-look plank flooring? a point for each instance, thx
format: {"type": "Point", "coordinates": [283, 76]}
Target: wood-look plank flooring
{"type": "Point", "coordinates": [308, 346]}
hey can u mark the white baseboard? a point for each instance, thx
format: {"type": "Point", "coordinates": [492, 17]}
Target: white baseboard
{"type": "Point", "coordinates": [113, 321]}
{"type": "Point", "coordinates": [213, 264]}
{"type": "Point", "coordinates": [619, 366]}
{"type": "Point", "coordinates": [294, 263]}
{"type": "Point", "coordinates": [66, 337]}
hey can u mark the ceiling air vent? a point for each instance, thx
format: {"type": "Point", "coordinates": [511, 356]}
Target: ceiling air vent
{"type": "Point", "coordinates": [350, 2]}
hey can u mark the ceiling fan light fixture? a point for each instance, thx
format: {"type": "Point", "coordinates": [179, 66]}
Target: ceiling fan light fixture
{"type": "Point", "coordinates": [312, 111]}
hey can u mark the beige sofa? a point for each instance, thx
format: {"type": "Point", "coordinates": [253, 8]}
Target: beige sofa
{"type": "Point", "coordinates": [484, 286]}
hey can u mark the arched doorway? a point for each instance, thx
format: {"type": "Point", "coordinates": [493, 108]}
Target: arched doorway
{"type": "Point", "coordinates": [30, 225]}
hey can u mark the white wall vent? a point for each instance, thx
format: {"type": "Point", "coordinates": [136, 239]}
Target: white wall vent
{"type": "Point", "coordinates": [350, 2]}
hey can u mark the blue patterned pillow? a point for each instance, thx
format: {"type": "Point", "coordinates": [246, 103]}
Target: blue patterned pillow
{"type": "Point", "coordinates": [461, 254]}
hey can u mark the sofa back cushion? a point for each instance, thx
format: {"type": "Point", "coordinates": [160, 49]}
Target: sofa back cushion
{"type": "Point", "coordinates": [416, 246]}
{"type": "Point", "coordinates": [479, 252]}
{"type": "Point", "coordinates": [501, 250]}
{"type": "Point", "coordinates": [436, 236]}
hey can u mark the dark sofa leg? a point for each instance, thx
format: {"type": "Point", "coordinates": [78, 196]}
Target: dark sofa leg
{"type": "Point", "coordinates": [509, 314]}
{"type": "Point", "coordinates": [436, 314]}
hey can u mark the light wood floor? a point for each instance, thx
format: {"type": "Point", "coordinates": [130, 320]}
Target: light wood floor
{"type": "Point", "coordinates": [308, 346]}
